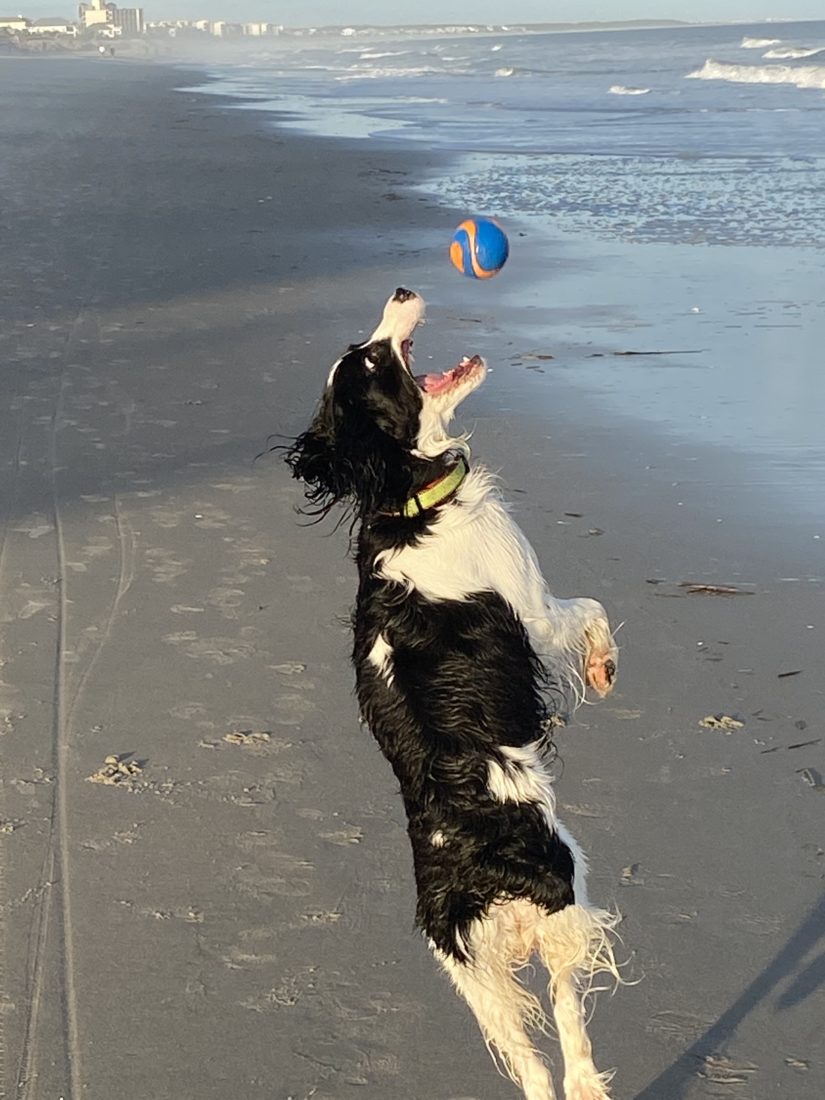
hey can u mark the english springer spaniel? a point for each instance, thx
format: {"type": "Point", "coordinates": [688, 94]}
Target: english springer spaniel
{"type": "Point", "coordinates": [463, 660]}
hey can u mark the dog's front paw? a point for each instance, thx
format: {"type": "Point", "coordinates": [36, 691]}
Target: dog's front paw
{"type": "Point", "coordinates": [602, 657]}
{"type": "Point", "coordinates": [600, 672]}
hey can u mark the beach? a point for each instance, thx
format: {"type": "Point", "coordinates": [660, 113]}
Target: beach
{"type": "Point", "coordinates": [205, 882]}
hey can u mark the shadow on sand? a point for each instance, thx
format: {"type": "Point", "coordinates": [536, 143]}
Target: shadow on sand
{"type": "Point", "coordinates": [674, 1082]}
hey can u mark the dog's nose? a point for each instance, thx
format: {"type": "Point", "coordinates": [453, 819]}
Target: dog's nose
{"type": "Point", "coordinates": [402, 295]}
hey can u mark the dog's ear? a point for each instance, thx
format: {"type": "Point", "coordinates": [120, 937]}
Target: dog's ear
{"type": "Point", "coordinates": [347, 457]}
{"type": "Point", "coordinates": [313, 458]}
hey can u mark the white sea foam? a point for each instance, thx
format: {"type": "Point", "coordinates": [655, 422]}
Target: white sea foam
{"type": "Point", "coordinates": [505, 72]}
{"type": "Point", "coordinates": [368, 55]}
{"type": "Point", "coordinates": [793, 52]}
{"type": "Point", "coordinates": [759, 43]}
{"type": "Point", "coordinates": [357, 72]}
{"type": "Point", "coordinates": [620, 89]}
{"type": "Point", "coordinates": [803, 76]}
{"type": "Point", "coordinates": [419, 99]}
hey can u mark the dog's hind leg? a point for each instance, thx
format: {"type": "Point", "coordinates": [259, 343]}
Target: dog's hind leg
{"type": "Point", "coordinates": [502, 1006]}
{"type": "Point", "coordinates": [575, 945]}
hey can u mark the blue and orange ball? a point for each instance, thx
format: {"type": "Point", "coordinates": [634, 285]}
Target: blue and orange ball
{"type": "Point", "coordinates": [479, 248]}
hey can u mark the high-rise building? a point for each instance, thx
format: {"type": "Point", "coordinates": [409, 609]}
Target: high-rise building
{"type": "Point", "coordinates": [99, 13]}
{"type": "Point", "coordinates": [130, 20]}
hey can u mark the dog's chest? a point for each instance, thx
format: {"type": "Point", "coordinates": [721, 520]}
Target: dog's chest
{"type": "Point", "coordinates": [470, 550]}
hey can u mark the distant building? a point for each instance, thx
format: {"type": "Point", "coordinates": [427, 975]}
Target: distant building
{"type": "Point", "coordinates": [14, 23]}
{"type": "Point", "coordinates": [52, 25]}
{"type": "Point", "coordinates": [130, 20]}
{"type": "Point", "coordinates": [262, 30]}
{"type": "Point", "coordinates": [96, 13]}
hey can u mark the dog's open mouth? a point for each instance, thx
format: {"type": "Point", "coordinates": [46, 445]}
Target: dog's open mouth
{"type": "Point", "coordinates": [437, 384]}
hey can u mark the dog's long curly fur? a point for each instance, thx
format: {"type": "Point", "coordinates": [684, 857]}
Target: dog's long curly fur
{"type": "Point", "coordinates": [463, 657]}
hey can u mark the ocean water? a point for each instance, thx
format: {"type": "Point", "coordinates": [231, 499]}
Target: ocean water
{"type": "Point", "coordinates": [699, 134]}
{"type": "Point", "coordinates": [674, 178]}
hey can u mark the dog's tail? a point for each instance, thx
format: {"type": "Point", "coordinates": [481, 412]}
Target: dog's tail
{"type": "Point", "coordinates": [574, 945]}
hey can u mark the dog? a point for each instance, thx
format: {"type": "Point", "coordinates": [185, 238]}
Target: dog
{"type": "Point", "coordinates": [463, 662]}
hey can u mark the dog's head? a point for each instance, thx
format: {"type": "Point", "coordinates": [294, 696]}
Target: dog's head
{"type": "Point", "coordinates": [380, 431]}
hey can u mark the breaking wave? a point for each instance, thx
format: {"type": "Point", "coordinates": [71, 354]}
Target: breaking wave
{"type": "Point", "coordinates": [358, 72]}
{"type": "Point", "coordinates": [803, 76]}
{"type": "Point", "coordinates": [793, 52]}
{"type": "Point", "coordinates": [620, 89]}
{"type": "Point", "coordinates": [759, 43]}
{"type": "Point", "coordinates": [369, 55]}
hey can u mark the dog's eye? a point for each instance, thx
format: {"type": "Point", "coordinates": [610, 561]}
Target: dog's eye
{"type": "Point", "coordinates": [370, 364]}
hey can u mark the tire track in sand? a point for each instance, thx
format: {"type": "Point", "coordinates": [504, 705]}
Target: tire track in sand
{"type": "Point", "coordinates": [2, 980]}
{"type": "Point", "coordinates": [60, 730]}
{"type": "Point", "coordinates": [127, 547]}
{"type": "Point", "coordinates": [10, 502]}
{"type": "Point", "coordinates": [52, 927]}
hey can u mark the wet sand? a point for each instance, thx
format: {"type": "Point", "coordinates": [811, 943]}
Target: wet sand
{"type": "Point", "coordinates": [227, 911]}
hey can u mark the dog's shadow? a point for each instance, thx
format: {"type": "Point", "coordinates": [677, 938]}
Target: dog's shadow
{"type": "Point", "coordinates": [674, 1082]}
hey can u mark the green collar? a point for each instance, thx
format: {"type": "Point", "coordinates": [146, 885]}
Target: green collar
{"type": "Point", "coordinates": [437, 492]}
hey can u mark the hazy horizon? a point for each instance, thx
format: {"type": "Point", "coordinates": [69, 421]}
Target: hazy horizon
{"type": "Point", "coordinates": [301, 14]}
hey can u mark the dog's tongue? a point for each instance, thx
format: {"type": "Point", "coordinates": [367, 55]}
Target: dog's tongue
{"type": "Point", "coordinates": [439, 383]}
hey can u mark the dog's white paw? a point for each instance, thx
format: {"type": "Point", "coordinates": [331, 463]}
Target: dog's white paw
{"type": "Point", "coordinates": [586, 1092]}
{"type": "Point", "coordinates": [590, 1088]}
{"type": "Point", "coordinates": [602, 657]}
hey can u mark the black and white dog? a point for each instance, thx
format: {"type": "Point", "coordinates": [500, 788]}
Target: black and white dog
{"type": "Point", "coordinates": [462, 659]}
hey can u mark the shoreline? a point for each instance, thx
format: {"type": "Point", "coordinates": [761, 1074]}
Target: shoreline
{"type": "Point", "coordinates": [242, 901]}
{"type": "Point", "coordinates": [514, 378]}
{"type": "Point", "coordinates": [720, 391]}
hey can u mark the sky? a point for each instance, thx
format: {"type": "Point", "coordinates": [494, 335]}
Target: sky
{"type": "Point", "coordinates": [302, 13]}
